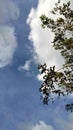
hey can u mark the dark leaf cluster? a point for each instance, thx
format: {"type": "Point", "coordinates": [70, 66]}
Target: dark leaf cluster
{"type": "Point", "coordinates": [69, 107]}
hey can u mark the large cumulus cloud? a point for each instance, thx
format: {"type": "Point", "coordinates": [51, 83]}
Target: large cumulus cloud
{"type": "Point", "coordinates": [41, 38]}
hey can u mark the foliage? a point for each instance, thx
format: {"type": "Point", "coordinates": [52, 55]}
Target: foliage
{"type": "Point", "coordinates": [59, 82]}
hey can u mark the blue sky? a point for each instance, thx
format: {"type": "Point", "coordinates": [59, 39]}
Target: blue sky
{"type": "Point", "coordinates": [23, 44]}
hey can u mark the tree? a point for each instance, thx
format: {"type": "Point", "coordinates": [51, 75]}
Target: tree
{"type": "Point", "coordinates": [59, 82]}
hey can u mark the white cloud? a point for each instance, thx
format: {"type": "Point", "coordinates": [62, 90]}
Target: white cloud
{"type": "Point", "coordinates": [26, 66]}
{"type": "Point", "coordinates": [42, 126]}
{"type": "Point", "coordinates": [40, 77]}
{"type": "Point", "coordinates": [8, 42]}
{"type": "Point", "coordinates": [41, 38]}
{"type": "Point", "coordinates": [8, 45]}
{"type": "Point", "coordinates": [39, 126]}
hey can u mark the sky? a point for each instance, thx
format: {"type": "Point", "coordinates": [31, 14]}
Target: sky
{"type": "Point", "coordinates": [23, 45]}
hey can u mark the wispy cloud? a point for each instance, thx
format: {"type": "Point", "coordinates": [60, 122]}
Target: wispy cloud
{"type": "Point", "coordinates": [26, 66]}
{"type": "Point", "coordinates": [64, 124]}
{"type": "Point", "coordinates": [8, 11]}
{"type": "Point", "coordinates": [8, 42]}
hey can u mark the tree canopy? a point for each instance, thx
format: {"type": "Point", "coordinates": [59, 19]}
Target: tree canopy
{"type": "Point", "coordinates": [59, 82]}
